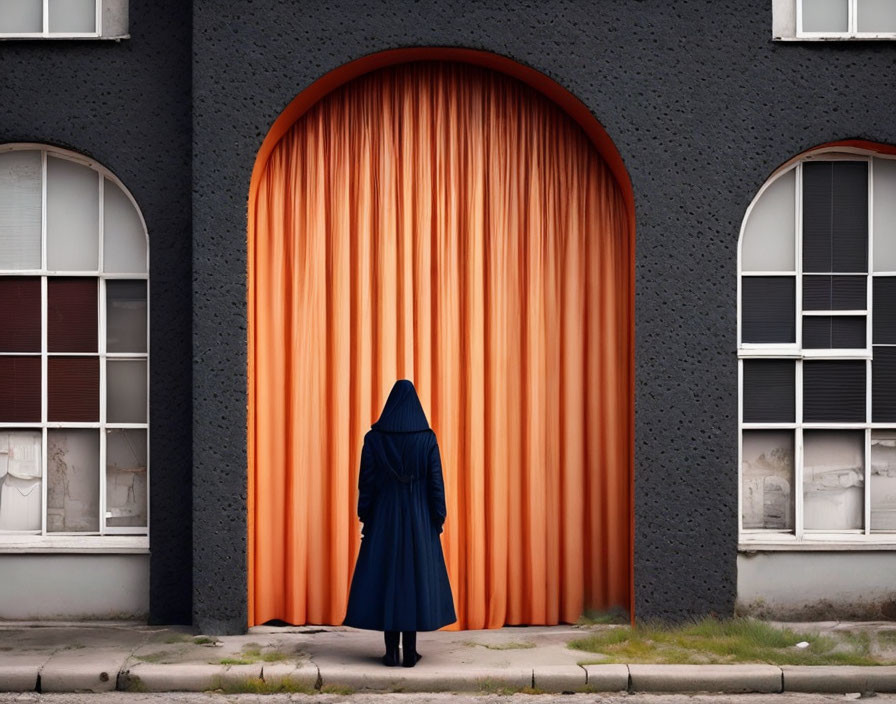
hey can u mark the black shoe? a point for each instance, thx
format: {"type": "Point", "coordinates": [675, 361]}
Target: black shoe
{"type": "Point", "coordinates": [390, 659]}
{"type": "Point", "coordinates": [410, 662]}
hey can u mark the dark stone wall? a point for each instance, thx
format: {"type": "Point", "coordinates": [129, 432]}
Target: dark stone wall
{"type": "Point", "coordinates": [127, 105]}
{"type": "Point", "coordinates": [701, 104]}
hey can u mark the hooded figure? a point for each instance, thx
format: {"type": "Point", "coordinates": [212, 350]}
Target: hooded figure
{"type": "Point", "coordinates": [400, 582]}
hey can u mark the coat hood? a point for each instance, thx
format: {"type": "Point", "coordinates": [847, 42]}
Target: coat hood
{"type": "Point", "coordinates": [402, 412]}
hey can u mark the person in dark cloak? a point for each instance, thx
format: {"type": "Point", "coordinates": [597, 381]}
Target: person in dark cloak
{"type": "Point", "coordinates": [400, 584]}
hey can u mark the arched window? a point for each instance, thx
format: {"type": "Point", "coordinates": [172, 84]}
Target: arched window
{"type": "Point", "coordinates": [817, 352]}
{"type": "Point", "coordinates": [73, 354]}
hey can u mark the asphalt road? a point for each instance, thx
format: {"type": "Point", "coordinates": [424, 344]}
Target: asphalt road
{"type": "Point", "coordinates": [444, 698]}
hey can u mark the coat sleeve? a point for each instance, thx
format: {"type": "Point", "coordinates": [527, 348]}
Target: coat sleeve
{"type": "Point", "coordinates": [366, 484]}
{"type": "Point", "coordinates": [436, 487]}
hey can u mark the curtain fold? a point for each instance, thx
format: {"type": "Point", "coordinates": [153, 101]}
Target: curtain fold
{"type": "Point", "coordinates": [446, 224]}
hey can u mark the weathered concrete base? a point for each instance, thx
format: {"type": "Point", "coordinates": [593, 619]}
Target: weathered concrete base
{"type": "Point", "coordinates": [423, 679]}
{"type": "Point", "coordinates": [18, 671]}
{"type": "Point", "coordinates": [182, 677]}
{"type": "Point", "coordinates": [734, 679]}
{"type": "Point", "coordinates": [303, 676]}
{"type": "Point", "coordinates": [606, 678]}
{"type": "Point", "coordinates": [560, 678]}
{"type": "Point", "coordinates": [840, 679]}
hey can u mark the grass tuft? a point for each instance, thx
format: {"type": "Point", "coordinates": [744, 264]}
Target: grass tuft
{"type": "Point", "coordinates": [256, 685]}
{"type": "Point", "coordinates": [710, 640]}
{"type": "Point", "coordinates": [204, 640]}
{"type": "Point", "coordinates": [337, 689]}
{"type": "Point", "coordinates": [592, 617]}
{"type": "Point", "coordinates": [513, 645]}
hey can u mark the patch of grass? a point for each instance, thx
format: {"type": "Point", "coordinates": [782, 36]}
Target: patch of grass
{"type": "Point", "coordinates": [488, 685]}
{"type": "Point", "coordinates": [887, 638]}
{"type": "Point", "coordinates": [592, 617]}
{"type": "Point", "coordinates": [132, 683]}
{"type": "Point", "coordinates": [513, 645]}
{"type": "Point", "coordinates": [234, 661]}
{"type": "Point", "coordinates": [204, 640]}
{"type": "Point", "coordinates": [157, 657]}
{"type": "Point", "coordinates": [179, 638]}
{"type": "Point", "coordinates": [256, 685]}
{"type": "Point", "coordinates": [737, 640]}
{"type": "Point", "coordinates": [337, 689]}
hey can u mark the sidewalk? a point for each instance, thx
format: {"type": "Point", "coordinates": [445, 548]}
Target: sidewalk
{"type": "Point", "coordinates": [100, 657]}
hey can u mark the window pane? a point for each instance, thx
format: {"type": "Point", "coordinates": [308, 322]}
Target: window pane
{"type": "Point", "coordinates": [833, 479]}
{"type": "Point", "coordinates": [126, 391]}
{"type": "Point", "coordinates": [836, 332]}
{"type": "Point", "coordinates": [768, 391]}
{"type": "Point", "coordinates": [20, 472]}
{"type": "Point", "coordinates": [20, 314]}
{"type": "Point", "coordinates": [768, 241]}
{"type": "Point", "coordinates": [834, 391]}
{"type": "Point", "coordinates": [72, 15]}
{"type": "Point", "coordinates": [876, 15]}
{"type": "Point", "coordinates": [884, 318]}
{"type": "Point", "coordinates": [834, 292]}
{"type": "Point", "coordinates": [124, 241]}
{"type": "Point", "coordinates": [19, 389]}
{"type": "Point", "coordinates": [768, 479]}
{"type": "Point", "coordinates": [768, 305]}
{"type": "Point", "coordinates": [20, 198]}
{"type": "Point", "coordinates": [885, 214]}
{"type": "Point", "coordinates": [125, 477]}
{"type": "Point", "coordinates": [71, 314]}
{"type": "Point", "coordinates": [21, 16]}
{"type": "Point", "coordinates": [125, 316]}
{"type": "Point", "coordinates": [73, 204]}
{"type": "Point", "coordinates": [883, 385]}
{"type": "Point", "coordinates": [825, 15]}
{"type": "Point", "coordinates": [883, 480]}
{"type": "Point", "coordinates": [73, 389]}
{"type": "Point", "coordinates": [835, 216]}
{"type": "Point", "coordinates": [73, 480]}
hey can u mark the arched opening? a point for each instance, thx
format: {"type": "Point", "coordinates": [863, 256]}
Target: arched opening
{"type": "Point", "coordinates": [426, 215]}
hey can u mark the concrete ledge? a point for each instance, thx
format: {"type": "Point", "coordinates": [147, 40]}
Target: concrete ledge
{"type": "Point", "coordinates": [290, 675]}
{"type": "Point", "coordinates": [81, 671]}
{"type": "Point", "coordinates": [560, 678]}
{"type": "Point", "coordinates": [181, 677]}
{"type": "Point", "coordinates": [425, 679]}
{"type": "Point", "coordinates": [237, 676]}
{"type": "Point", "coordinates": [705, 678]}
{"type": "Point", "coordinates": [606, 678]}
{"type": "Point", "coordinates": [18, 678]}
{"type": "Point", "coordinates": [839, 679]}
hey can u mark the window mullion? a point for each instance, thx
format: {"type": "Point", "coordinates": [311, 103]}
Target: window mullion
{"type": "Point", "coordinates": [45, 30]}
{"type": "Point", "coordinates": [853, 25]}
{"type": "Point", "coordinates": [798, 370]}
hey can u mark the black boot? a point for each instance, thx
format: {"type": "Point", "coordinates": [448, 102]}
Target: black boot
{"type": "Point", "coordinates": [390, 659]}
{"type": "Point", "coordinates": [410, 656]}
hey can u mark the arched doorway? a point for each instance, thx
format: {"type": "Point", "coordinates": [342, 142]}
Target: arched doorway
{"type": "Point", "coordinates": [443, 222]}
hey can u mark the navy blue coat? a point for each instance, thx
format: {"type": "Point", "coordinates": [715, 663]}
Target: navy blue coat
{"type": "Point", "coordinates": [400, 581]}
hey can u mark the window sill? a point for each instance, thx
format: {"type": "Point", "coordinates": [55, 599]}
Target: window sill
{"type": "Point", "coordinates": [809, 545]}
{"type": "Point", "coordinates": [885, 38]}
{"type": "Point", "coordinates": [136, 544]}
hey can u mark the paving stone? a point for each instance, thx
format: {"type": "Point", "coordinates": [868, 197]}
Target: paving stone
{"type": "Point", "coordinates": [733, 679]}
{"type": "Point", "coordinates": [177, 677]}
{"type": "Point", "coordinates": [424, 679]}
{"type": "Point", "coordinates": [839, 679]}
{"type": "Point", "coordinates": [290, 675]}
{"type": "Point", "coordinates": [86, 670]}
{"type": "Point", "coordinates": [560, 678]}
{"type": "Point", "coordinates": [606, 678]}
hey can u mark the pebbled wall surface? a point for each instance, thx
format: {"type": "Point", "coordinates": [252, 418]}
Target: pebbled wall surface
{"type": "Point", "coordinates": [127, 105]}
{"type": "Point", "coordinates": [701, 104]}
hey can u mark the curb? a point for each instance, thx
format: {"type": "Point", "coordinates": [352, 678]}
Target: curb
{"type": "Point", "coordinates": [30, 676]}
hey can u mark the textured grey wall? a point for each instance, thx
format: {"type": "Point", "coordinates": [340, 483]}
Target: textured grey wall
{"type": "Point", "coordinates": [701, 104]}
{"type": "Point", "coordinates": [127, 105]}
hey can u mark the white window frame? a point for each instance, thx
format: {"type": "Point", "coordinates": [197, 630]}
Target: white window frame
{"type": "Point", "coordinates": [799, 538]}
{"type": "Point", "coordinates": [852, 26]}
{"type": "Point", "coordinates": [116, 539]}
{"type": "Point", "coordinates": [111, 22]}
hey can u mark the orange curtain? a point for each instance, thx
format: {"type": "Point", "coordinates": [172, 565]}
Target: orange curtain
{"type": "Point", "coordinates": [446, 224]}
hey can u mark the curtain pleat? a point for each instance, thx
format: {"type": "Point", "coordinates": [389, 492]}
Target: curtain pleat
{"type": "Point", "coordinates": [446, 224]}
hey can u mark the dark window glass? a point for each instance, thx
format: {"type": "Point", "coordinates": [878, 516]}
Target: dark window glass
{"type": "Point", "coordinates": [834, 332]}
{"type": "Point", "coordinates": [20, 389]}
{"type": "Point", "coordinates": [769, 391]}
{"type": "Point", "coordinates": [126, 316]}
{"type": "Point", "coordinates": [71, 314]}
{"type": "Point", "coordinates": [834, 391]}
{"type": "Point", "coordinates": [19, 314]}
{"type": "Point", "coordinates": [835, 216]}
{"type": "Point", "coordinates": [884, 319]}
{"type": "Point", "coordinates": [768, 305]}
{"type": "Point", "coordinates": [883, 385]}
{"type": "Point", "coordinates": [73, 389]}
{"type": "Point", "coordinates": [834, 292]}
